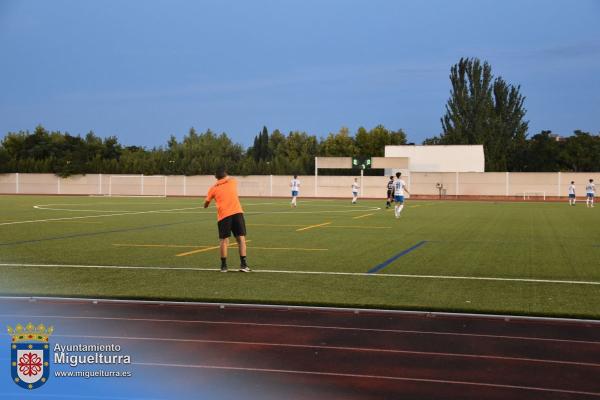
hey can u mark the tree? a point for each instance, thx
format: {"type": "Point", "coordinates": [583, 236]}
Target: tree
{"type": "Point", "coordinates": [5, 160]}
{"type": "Point", "coordinates": [265, 152]}
{"type": "Point", "coordinates": [261, 149]}
{"type": "Point", "coordinates": [484, 110]}
{"type": "Point", "coordinates": [198, 153]}
{"type": "Point", "coordinates": [372, 143]}
{"type": "Point", "coordinates": [582, 152]}
{"type": "Point", "coordinates": [469, 108]}
{"type": "Point", "coordinates": [339, 144]}
{"type": "Point", "coordinates": [543, 153]}
{"type": "Point", "coordinates": [509, 130]}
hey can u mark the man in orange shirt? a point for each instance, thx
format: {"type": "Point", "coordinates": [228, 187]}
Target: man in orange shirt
{"type": "Point", "coordinates": [230, 216]}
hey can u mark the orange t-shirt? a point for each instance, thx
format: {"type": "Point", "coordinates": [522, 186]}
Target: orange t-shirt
{"type": "Point", "coordinates": [225, 194]}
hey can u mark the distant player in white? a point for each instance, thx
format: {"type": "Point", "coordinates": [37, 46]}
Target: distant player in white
{"type": "Point", "coordinates": [399, 189]}
{"type": "Point", "coordinates": [355, 188]}
{"type": "Point", "coordinates": [590, 191]}
{"type": "Point", "coordinates": [572, 198]}
{"type": "Point", "coordinates": [295, 185]}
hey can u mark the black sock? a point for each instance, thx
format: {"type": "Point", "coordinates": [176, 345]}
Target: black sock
{"type": "Point", "coordinates": [243, 260]}
{"type": "Point", "coordinates": [223, 262]}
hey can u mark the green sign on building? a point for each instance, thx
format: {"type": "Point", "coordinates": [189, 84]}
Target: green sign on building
{"type": "Point", "coordinates": [361, 162]}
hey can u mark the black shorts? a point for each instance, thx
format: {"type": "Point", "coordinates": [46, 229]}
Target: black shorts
{"type": "Point", "coordinates": [390, 194]}
{"type": "Point", "coordinates": [234, 223]}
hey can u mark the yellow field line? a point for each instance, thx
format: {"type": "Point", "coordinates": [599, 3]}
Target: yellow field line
{"type": "Point", "coordinates": [289, 225]}
{"type": "Point", "coordinates": [197, 251]}
{"type": "Point", "coordinates": [359, 227]}
{"type": "Point", "coordinates": [362, 216]}
{"type": "Point", "coordinates": [204, 248]}
{"type": "Point", "coordinates": [312, 226]}
{"type": "Point", "coordinates": [286, 248]}
{"type": "Point", "coordinates": [158, 245]}
{"type": "Point", "coordinates": [188, 253]}
{"type": "Point", "coordinates": [326, 225]}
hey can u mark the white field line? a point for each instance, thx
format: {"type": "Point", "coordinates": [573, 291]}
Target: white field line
{"type": "Point", "coordinates": [361, 376]}
{"type": "Point", "coordinates": [52, 207]}
{"type": "Point", "coordinates": [173, 211]}
{"type": "Point", "coordinates": [324, 327]}
{"type": "Point", "coordinates": [326, 347]}
{"type": "Point", "coordinates": [282, 212]}
{"type": "Point", "coordinates": [93, 216]}
{"type": "Point", "coordinates": [292, 272]}
{"type": "Point", "coordinates": [316, 212]}
{"type": "Point", "coordinates": [114, 212]}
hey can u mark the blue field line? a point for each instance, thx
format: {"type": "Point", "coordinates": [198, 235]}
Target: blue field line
{"type": "Point", "coordinates": [76, 235]}
{"type": "Point", "coordinates": [394, 258]}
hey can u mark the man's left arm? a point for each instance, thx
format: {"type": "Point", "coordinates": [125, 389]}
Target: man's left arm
{"type": "Point", "coordinates": [208, 198]}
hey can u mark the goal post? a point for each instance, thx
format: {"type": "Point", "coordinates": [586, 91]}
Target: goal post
{"type": "Point", "coordinates": [534, 195]}
{"type": "Point", "coordinates": [137, 186]}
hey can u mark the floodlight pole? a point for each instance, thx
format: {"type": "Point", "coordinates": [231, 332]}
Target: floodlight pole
{"type": "Point", "coordinates": [361, 182]}
{"type": "Point", "coordinates": [316, 174]}
{"type": "Point", "coordinates": [456, 185]}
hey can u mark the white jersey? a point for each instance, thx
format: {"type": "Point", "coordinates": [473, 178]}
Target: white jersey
{"type": "Point", "coordinates": [399, 186]}
{"type": "Point", "coordinates": [572, 189]}
{"type": "Point", "coordinates": [355, 187]}
{"type": "Point", "coordinates": [590, 188]}
{"type": "Point", "coordinates": [295, 184]}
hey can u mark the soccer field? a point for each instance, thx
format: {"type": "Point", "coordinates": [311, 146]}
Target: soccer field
{"type": "Point", "coordinates": [518, 258]}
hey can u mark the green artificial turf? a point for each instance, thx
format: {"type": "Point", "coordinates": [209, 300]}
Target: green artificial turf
{"type": "Point", "coordinates": [518, 241]}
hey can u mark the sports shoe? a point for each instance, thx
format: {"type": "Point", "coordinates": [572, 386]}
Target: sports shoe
{"type": "Point", "coordinates": [223, 269]}
{"type": "Point", "coordinates": [245, 268]}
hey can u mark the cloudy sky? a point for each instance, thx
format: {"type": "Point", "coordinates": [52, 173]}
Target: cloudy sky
{"type": "Point", "coordinates": [143, 70]}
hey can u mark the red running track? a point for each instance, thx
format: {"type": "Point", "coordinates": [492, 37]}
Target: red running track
{"type": "Point", "coordinates": [326, 353]}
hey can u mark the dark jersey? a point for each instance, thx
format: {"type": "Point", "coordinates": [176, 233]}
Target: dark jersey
{"type": "Point", "coordinates": [390, 186]}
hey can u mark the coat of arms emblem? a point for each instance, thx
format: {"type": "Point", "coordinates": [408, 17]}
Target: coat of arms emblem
{"type": "Point", "coordinates": [30, 355]}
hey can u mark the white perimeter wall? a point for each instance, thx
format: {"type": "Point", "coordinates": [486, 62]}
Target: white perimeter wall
{"type": "Point", "coordinates": [419, 183]}
{"type": "Point", "coordinates": [467, 158]}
